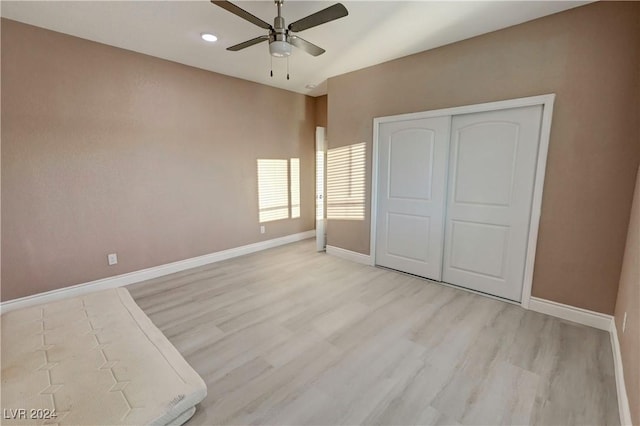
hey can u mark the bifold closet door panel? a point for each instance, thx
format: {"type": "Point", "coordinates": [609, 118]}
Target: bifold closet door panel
{"type": "Point", "coordinates": [492, 168]}
{"type": "Point", "coordinates": [411, 195]}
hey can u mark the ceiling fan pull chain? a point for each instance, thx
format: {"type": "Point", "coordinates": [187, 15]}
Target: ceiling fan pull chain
{"type": "Point", "coordinates": [287, 68]}
{"type": "Point", "coordinates": [271, 57]}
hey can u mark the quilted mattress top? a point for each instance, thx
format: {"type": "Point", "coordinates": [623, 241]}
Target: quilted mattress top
{"type": "Point", "coordinates": [94, 359]}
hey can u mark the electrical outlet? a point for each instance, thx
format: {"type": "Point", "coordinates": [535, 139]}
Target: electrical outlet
{"type": "Point", "coordinates": [112, 259]}
{"type": "Point", "coordinates": [624, 322]}
{"type": "Point", "coordinates": [262, 229]}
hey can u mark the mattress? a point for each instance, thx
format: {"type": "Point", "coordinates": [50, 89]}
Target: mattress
{"type": "Point", "coordinates": [94, 359]}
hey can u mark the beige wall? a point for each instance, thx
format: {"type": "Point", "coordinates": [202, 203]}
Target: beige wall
{"type": "Point", "coordinates": [106, 150]}
{"type": "Point", "coordinates": [629, 302]}
{"type": "Point", "coordinates": [321, 111]}
{"type": "Point", "coordinates": [589, 57]}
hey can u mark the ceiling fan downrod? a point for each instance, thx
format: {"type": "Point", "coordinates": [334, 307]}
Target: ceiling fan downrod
{"type": "Point", "coordinates": [278, 44]}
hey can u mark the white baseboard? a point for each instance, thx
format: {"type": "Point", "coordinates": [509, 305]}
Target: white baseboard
{"type": "Point", "coordinates": [623, 400]}
{"type": "Point", "coordinates": [349, 255]}
{"type": "Point", "coordinates": [149, 273]}
{"type": "Point", "coordinates": [571, 313]}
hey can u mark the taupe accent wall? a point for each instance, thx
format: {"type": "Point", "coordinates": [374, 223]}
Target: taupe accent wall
{"type": "Point", "coordinates": [106, 150]}
{"type": "Point", "coordinates": [629, 303]}
{"type": "Point", "coordinates": [589, 57]}
{"type": "Point", "coordinates": [321, 111]}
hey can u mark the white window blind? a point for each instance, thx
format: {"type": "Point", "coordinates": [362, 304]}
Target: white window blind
{"type": "Point", "coordinates": [346, 182]}
{"type": "Point", "coordinates": [294, 166]}
{"type": "Point", "coordinates": [278, 189]}
{"type": "Point", "coordinates": [273, 191]}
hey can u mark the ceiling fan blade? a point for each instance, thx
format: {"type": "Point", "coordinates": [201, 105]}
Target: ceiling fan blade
{"type": "Point", "coordinates": [325, 15]}
{"type": "Point", "coordinates": [303, 44]}
{"type": "Point", "coordinates": [236, 10]}
{"type": "Point", "coordinates": [248, 43]}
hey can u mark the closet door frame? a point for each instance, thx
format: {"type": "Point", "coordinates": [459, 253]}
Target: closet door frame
{"type": "Point", "coordinates": [545, 129]}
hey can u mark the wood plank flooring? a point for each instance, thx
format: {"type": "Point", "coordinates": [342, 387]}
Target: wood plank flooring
{"type": "Point", "coordinates": [289, 336]}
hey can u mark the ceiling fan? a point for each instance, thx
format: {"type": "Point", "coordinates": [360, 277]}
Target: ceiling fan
{"type": "Point", "coordinates": [282, 37]}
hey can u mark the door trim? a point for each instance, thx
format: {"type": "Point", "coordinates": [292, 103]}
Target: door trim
{"type": "Point", "coordinates": [547, 102]}
{"type": "Point", "coordinates": [321, 188]}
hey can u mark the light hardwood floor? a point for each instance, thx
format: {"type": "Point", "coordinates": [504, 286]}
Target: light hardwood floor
{"type": "Point", "coordinates": [289, 336]}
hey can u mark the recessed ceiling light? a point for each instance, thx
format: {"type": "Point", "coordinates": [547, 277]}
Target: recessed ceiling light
{"type": "Point", "coordinates": [310, 86]}
{"type": "Point", "coordinates": [208, 37]}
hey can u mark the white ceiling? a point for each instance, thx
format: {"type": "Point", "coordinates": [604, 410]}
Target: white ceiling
{"type": "Point", "coordinates": [374, 31]}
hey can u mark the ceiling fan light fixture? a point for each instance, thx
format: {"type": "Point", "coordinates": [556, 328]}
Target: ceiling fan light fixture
{"type": "Point", "coordinates": [208, 37]}
{"type": "Point", "coordinates": [279, 49]}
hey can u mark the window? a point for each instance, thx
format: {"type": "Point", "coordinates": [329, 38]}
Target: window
{"type": "Point", "coordinates": [278, 189]}
{"type": "Point", "coordinates": [273, 193]}
{"type": "Point", "coordinates": [346, 182]}
{"type": "Point", "coordinates": [294, 185]}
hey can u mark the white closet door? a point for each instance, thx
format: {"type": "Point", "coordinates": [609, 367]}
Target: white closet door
{"type": "Point", "coordinates": [491, 177]}
{"type": "Point", "coordinates": [411, 189]}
